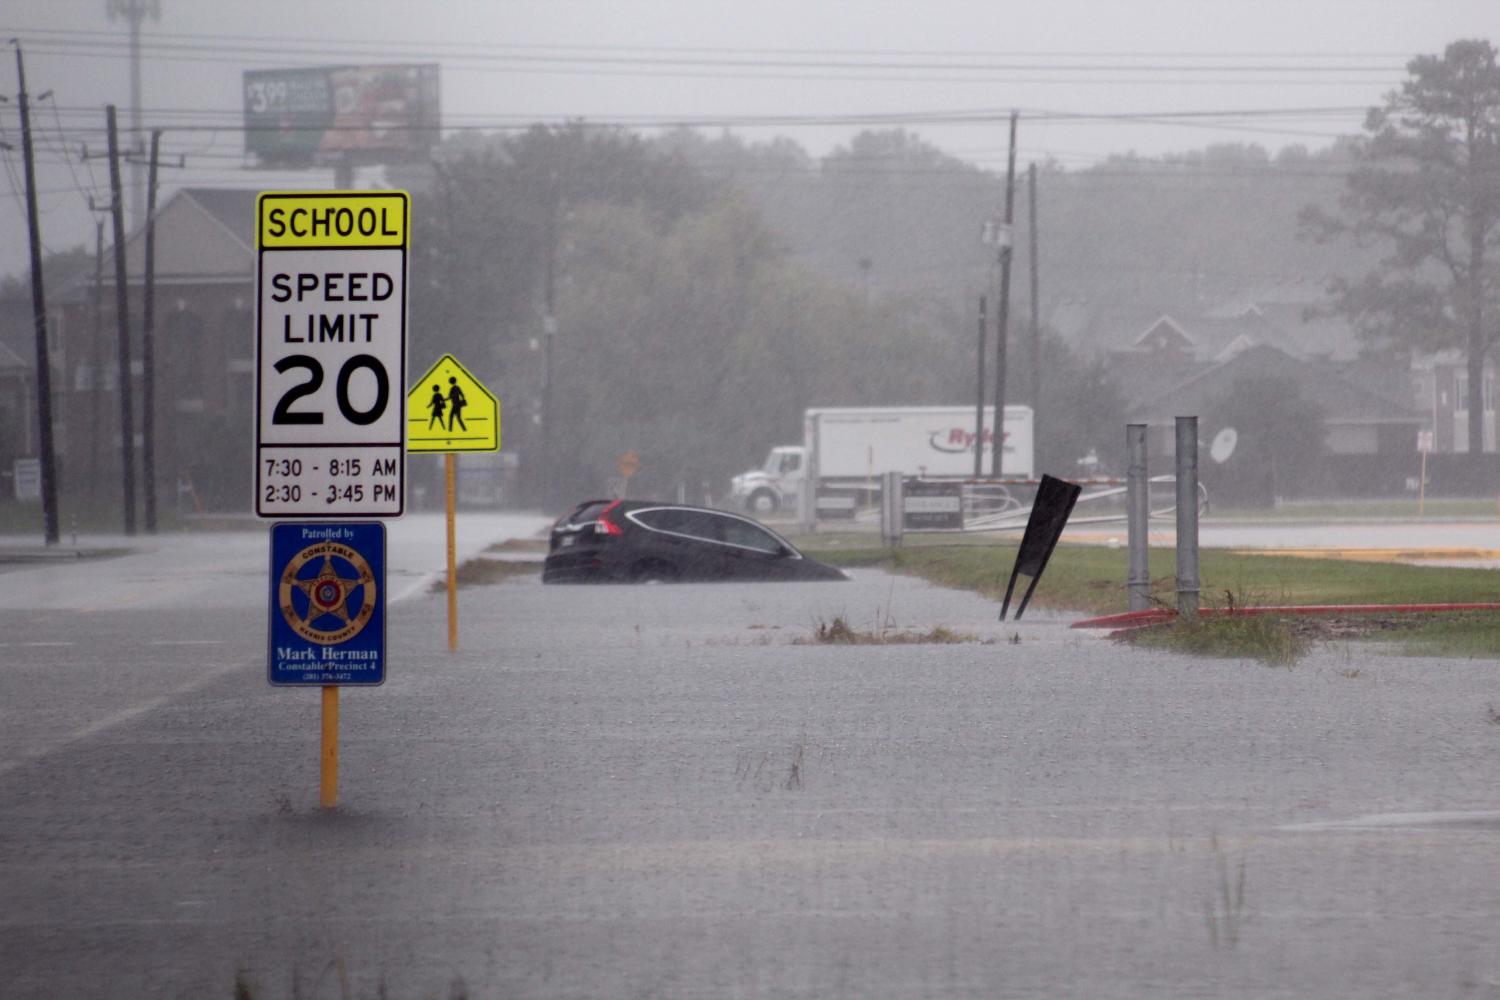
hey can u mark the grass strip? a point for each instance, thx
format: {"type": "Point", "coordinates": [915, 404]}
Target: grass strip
{"type": "Point", "coordinates": [1091, 579]}
{"type": "Point", "coordinates": [1270, 640]}
{"type": "Point", "coordinates": [480, 571]}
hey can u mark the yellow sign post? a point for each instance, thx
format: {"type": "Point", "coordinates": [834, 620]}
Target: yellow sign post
{"type": "Point", "coordinates": [447, 411]}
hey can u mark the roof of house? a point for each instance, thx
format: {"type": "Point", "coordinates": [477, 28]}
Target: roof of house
{"type": "Point", "coordinates": [232, 208]}
{"type": "Point", "coordinates": [1344, 399]}
{"type": "Point", "coordinates": [202, 235]}
{"type": "Point", "coordinates": [1208, 333]}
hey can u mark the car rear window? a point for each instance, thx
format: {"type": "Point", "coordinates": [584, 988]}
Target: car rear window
{"type": "Point", "coordinates": [588, 512]}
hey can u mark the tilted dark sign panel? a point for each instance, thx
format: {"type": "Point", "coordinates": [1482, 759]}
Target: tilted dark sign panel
{"type": "Point", "coordinates": [1049, 515]}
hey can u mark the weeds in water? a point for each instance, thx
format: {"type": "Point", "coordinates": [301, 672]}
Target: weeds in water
{"type": "Point", "coordinates": [765, 771]}
{"type": "Point", "coordinates": [245, 987]}
{"type": "Point", "coordinates": [1270, 640]}
{"type": "Point", "coordinates": [1224, 910]}
{"type": "Point", "coordinates": [840, 633]}
{"type": "Point", "coordinates": [1494, 716]}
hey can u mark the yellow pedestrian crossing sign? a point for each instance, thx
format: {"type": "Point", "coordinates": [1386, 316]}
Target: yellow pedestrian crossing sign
{"type": "Point", "coordinates": [450, 410]}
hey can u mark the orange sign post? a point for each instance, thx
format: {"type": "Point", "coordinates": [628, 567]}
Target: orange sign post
{"type": "Point", "coordinates": [629, 464]}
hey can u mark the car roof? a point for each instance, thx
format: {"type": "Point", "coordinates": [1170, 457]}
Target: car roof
{"type": "Point", "coordinates": [629, 505]}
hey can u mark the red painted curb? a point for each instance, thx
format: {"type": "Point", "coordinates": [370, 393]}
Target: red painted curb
{"type": "Point", "coordinates": [1154, 616]}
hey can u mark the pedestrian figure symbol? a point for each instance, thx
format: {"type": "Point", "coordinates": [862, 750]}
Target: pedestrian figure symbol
{"type": "Point", "coordinates": [449, 410]}
{"type": "Point", "coordinates": [456, 404]}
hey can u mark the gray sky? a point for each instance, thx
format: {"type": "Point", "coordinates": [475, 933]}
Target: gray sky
{"type": "Point", "coordinates": [816, 67]}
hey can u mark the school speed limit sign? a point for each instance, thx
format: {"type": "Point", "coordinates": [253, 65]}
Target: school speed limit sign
{"type": "Point", "coordinates": [330, 354]}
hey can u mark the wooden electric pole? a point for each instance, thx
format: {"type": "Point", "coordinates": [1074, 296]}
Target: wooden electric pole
{"type": "Point", "coordinates": [96, 362]}
{"type": "Point", "coordinates": [122, 309]}
{"type": "Point", "coordinates": [148, 349]}
{"type": "Point", "coordinates": [48, 456]}
{"type": "Point", "coordinates": [148, 334]}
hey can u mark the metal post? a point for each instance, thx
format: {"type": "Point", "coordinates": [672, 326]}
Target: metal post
{"type": "Point", "coordinates": [1187, 517]}
{"type": "Point", "coordinates": [892, 508]}
{"type": "Point", "coordinates": [807, 502]}
{"type": "Point", "coordinates": [1138, 506]}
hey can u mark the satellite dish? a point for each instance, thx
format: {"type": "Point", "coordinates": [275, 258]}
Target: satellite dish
{"type": "Point", "coordinates": [1223, 445]}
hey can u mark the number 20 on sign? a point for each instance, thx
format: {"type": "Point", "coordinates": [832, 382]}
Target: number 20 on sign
{"type": "Point", "coordinates": [330, 354]}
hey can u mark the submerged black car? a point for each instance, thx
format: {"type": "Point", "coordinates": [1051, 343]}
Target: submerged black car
{"type": "Point", "coordinates": [641, 541]}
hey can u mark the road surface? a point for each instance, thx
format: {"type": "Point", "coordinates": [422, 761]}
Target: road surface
{"type": "Point", "coordinates": [663, 792]}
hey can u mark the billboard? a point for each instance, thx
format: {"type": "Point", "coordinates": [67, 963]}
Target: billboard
{"type": "Point", "coordinates": [328, 115]}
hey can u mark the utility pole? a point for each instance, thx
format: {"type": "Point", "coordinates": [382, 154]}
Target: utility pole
{"type": "Point", "coordinates": [148, 335]}
{"type": "Point", "coordinates": [48, 456]}
{"type": "Point", "coordinates": [997, 445]}
{"type": "Point", "coordinates": [122, 308]}
{"type": "Point", "coordinates": [148, 351]}
{"type": "Point", "coordinates": [979, 397]}
{"type": "Point", "coordinates": [96, 360]}
{"type": "Point", "coordinates": [134, 11]}
{"type": "Point", "coordinates": [1036, 329]}
{"type": "Point", "coordinates": [549, 334]}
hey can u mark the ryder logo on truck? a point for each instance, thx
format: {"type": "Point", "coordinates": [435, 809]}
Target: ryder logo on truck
{"type": "Point", "coordinates": [959, 440]}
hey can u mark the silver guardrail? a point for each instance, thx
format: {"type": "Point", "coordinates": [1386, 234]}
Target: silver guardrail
{"type": "Point", "coordinates": [994, 506]}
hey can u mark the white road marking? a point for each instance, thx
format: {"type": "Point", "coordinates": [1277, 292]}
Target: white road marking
{"type": "Point", "coordinates": [421, 584]}
{"type": "Point", "coordinates": [118, 718]}
{"type": "Point", "coordinates": [1396, 821]}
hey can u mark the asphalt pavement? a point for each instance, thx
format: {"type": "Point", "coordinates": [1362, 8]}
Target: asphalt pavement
{"type": "Point", "coordinates": [668, 791]}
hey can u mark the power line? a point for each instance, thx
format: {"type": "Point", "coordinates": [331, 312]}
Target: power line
{"type": "Point", "coordinates": [281, 40]}
{"type": "Point", "coordinates": [282, 43]}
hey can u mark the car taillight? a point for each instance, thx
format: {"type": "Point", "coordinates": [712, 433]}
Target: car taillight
{"type": "Point", "coordinates": [604, 526]}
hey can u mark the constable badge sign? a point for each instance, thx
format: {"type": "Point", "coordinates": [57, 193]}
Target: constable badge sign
{"type": "Point", "coordinates": [328, 604]}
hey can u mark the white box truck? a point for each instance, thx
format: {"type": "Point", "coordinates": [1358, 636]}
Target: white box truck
{"type": "Point", "coordinates": [849, 448]}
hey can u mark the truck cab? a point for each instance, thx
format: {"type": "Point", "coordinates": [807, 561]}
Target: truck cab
{"type": "Point", "coordinates": [776, 485]}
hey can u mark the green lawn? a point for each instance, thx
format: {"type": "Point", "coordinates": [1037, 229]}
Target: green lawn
{"type": "Point", "coordinates": [1088, 578]}
{"type": "Point", "coordinates": [1092, 578]}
